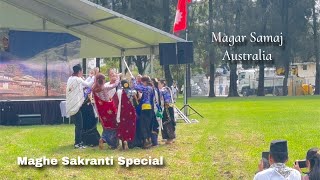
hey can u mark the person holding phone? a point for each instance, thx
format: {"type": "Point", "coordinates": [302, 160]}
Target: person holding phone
{"type": "Point", "coordinates": [312, 163]}
{"type": "Point", "coordinates": [278, 170]}
{"type": "Point", "coordinates": [265, 160]}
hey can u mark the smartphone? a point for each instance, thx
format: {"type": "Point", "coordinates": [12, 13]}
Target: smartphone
{"type": "Point", "coordinates": [302, 163]}
{"type": "Point", "coordinates": [265, 159]}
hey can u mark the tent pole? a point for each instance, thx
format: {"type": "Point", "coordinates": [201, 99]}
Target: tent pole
{"type": "Point", "coordinates": [84, 66]}
{"type": "Point", "coordinates": [44, 24]}
{"type": "Point", "coordinates": [46, 75]}
{"type": "Point", "coordinates": [98, 63]}
{"type": "Point", "coordinates": [123, 67]}
{"type": "Point", "coordinates": [151, 62]}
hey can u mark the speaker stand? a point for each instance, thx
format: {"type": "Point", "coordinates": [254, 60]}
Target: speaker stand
{"type": "Point", "coordinates": [186, 87]}
{"type": "Point", "coordinates": [187, 113]}
{"type": "Point", "coordinates": [177, 112]}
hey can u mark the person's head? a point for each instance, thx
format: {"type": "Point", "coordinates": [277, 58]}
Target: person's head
{"type": "Point", "coordinates": [96, 70]}
{"type": "Point", "coordinates": [313, 163]}
{"type": "Point", "coordinates": [145, 80]}
{"type": "Point", "coordinates": [155, 82]}
{"type": "Point", "coordinates": [111, 72]}
{"type": "Point", "coordinates": [91, 73]}
{"type": "Point", "coordinates": [77, 70]}
{"type": "Point", "coordinates": [139, 78]}
{"type": "Point", "coordinates": [100, 80]}
{"type": "Point", "coordinates": [113, 77]}
{"type": "Point", "coordinates": [125, 84]}
{"type": "Point", "coordinates": [278, 151]}
{"type": "Point", "coordinates": [162, 83]}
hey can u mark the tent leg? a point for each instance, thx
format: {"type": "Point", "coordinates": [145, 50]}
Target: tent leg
{"type": "Point", "coordinates": [151, 62]}
{"type": "Point", "coordinates": [84, 66]}
{"type": "Point", "coordinates": [123, 66]}
{"type": "Point", "coordinates": [44, 24]}
{"type": "Point", "coordinates": [98, 63]}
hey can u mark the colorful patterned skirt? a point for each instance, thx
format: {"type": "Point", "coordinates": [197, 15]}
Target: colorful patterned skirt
{"type": "Point", "coordinates": [90, 134]}
{"type": "Point", "coordinates": [127, 126]}
{"type": "Point", "coordinates": [168, 123]}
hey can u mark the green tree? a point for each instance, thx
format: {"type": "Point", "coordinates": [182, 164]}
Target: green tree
{"type": "Point", "coordinates": [264, 20]}
{"type": "Point", "coordinates": [211, 52]}
{"type": "Point", "coordinates": [316, 46]}
{"type": "Point", "coordinates": [166, 27]}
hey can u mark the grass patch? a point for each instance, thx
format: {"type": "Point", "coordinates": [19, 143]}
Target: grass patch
{"type": "Point", "coordinates": [226, 144]}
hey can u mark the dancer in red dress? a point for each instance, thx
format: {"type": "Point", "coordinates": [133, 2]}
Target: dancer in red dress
{"type": "Point", "coordinates": [126, 116]}
{"type": "Point", "coordinates": [106, 109]}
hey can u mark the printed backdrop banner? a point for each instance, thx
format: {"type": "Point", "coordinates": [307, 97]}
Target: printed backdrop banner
{"type": "Point", "coordinates": [36, 64]}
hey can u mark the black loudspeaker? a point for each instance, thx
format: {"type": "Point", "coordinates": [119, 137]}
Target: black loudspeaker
{"type": "Point", "coordinates": [185, 52]}
{"type": "Point", "coordinates": [168, 53]}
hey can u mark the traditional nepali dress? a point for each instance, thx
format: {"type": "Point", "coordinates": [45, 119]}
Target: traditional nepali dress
{"type": "Point", "coordinates": [146, 114]}
{"type": "Point", "coordinates": [107, 113]}
{"type": "Point", "coordinates": [90, 134]}
{"type": "Point", "coordinates": [74, 101]}
{"type": "Point", "coordinates": [156, 122]}
{"type": "Point", "coordinates": [168, 122]}
{"type": "Point", "coordinates": [138, 137]}
{"type": "Point", "coordinates": [126, 116]}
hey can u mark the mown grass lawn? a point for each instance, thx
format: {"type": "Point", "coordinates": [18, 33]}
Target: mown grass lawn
{"type": "Point", "coordinates": [226, 144]}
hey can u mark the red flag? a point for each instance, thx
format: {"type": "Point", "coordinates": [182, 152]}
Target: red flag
{"type": "Point", "coordinates": [180, 22]}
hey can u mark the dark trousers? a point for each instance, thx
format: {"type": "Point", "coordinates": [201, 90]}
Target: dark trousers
{"type": "Point", "coordinates": [78, 122]}
{"type": "Point", "coordinates": [155, 130]}
{"type": "Point", "coordinates": [145, 123]}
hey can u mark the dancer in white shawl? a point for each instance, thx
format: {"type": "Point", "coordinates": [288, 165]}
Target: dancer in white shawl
{"type": "Point", "coordinates": [74, 101]}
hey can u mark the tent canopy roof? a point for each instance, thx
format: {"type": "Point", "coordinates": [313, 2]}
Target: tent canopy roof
{"type": "Point", "coordinates": [103, 33]}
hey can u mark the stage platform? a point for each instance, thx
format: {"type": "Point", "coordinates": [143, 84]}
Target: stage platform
{"type": "Point", "coordinates": [48, 108]}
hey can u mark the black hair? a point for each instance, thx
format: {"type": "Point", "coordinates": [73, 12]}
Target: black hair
{"type": "Point", "coordinates": [77, 68]}
{"type": "Point", "coordinates": [279, 157]}
{"type": "Point", "coordinates": [147, 80]}
{"type": "Point", "coordinates": [162, 81]}
{"type": "Point", "coordinates": [313, 157]}
{"type": "Point", "coordinates": [125, 84]}
{"type": "Point", "coordinates": [155, 82]}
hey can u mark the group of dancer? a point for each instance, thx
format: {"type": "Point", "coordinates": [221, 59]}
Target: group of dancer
{"type": "Point", "coordinates": [131, 112]}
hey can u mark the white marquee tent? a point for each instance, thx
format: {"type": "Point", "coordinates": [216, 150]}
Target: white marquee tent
{"type": "Point", "coordinates": [103, 33]}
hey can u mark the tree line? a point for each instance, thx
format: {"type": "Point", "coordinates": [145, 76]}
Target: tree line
{"type": "Point", "coordinates": [297, 21]}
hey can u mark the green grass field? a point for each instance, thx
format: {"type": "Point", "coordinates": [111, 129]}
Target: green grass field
{"type": "Point", "coordinates": [226, 144]}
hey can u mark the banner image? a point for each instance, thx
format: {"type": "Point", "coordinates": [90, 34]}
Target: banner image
{"type": "Point", "coordinates": [36, 64]}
